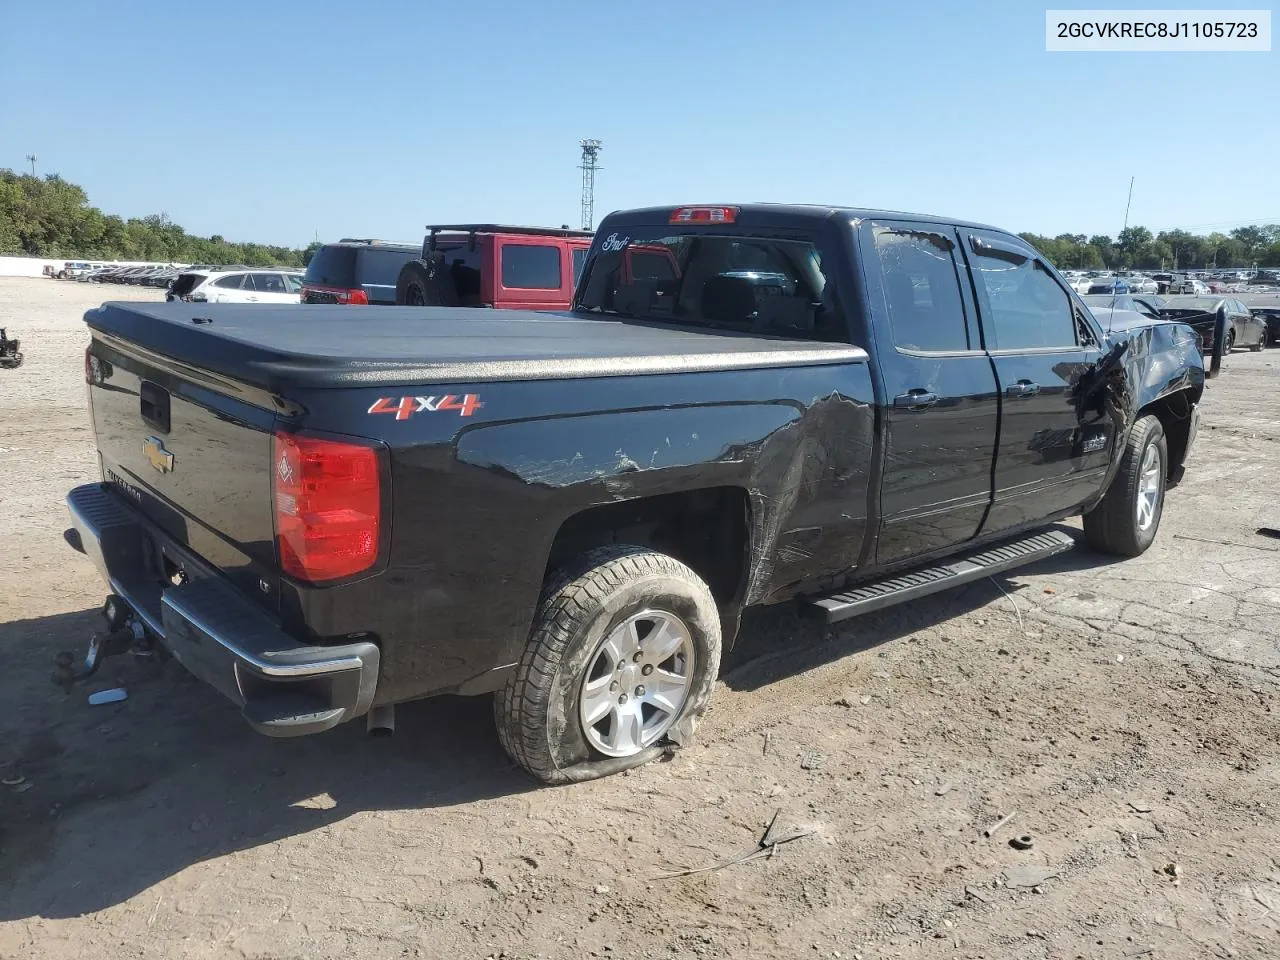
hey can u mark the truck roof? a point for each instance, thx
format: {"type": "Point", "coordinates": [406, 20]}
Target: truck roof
{"type": "Point", "coordinates": [274, 346]}
{"type": "Point", "coordinates": [778, 214]}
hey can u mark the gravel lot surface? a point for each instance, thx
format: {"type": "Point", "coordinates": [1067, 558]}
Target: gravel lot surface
{"type": "Point", "coordinates": [1124, 714]}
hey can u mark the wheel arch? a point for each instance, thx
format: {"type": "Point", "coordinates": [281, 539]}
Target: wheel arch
{"type": "Point", "coordinates": [1177, 415]}
{"type": "Point", "coordinates": [708, 529]}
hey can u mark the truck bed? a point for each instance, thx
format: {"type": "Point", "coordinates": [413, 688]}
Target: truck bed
{"type": "Point", "coordinates": [273, 346]}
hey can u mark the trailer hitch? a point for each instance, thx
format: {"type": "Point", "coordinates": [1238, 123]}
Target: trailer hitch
{"type": "Point", "coordinates": [124, 633]}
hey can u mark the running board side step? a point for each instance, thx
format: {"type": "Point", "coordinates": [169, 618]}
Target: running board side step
{"type": "Point", "coordinates": [919, 583]}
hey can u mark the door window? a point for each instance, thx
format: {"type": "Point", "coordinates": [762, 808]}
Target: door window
{"type": "Point", "coordinates": [293, 282]}
{"type": "Point", "coordinates": [1026, 307]}
{"type": "Point", "coordinates": [230, 283]}
{"type": "Point", "coordinates": [921, 289]}
{"type": "Point", "coordinates": [268, 283]}
{"type": "Point", "coordinates": [530, 267]}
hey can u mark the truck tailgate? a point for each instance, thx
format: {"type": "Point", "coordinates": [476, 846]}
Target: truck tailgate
{"type": "Point", "coordinates": [192, 453]}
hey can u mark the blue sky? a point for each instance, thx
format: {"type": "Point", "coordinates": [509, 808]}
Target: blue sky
{"type": "Point", "coordinates": [279, 121]}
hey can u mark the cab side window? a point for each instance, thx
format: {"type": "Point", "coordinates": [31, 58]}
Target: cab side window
{"type": "Point", "coordinates": [921, 289]}
{"type": "Point", "coordinates": [1027, 309]}
{"type": "Point", "coordinates": [530, 267]}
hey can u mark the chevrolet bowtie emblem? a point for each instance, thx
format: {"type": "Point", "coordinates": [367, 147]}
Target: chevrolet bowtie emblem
{"type": "Point", "coordinates": [160, 458]}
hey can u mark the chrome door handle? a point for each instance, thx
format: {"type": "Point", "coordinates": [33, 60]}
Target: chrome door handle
{"type": "Point", "coordinates": [915, 400]}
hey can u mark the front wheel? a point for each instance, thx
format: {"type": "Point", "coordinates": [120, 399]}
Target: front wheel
{"type": "Point", "coordinates": [1260, 345]}
{"type": "Point", "coordinates": [621, 661]}
{"type": "Point", "coordinates": [1126, 521]}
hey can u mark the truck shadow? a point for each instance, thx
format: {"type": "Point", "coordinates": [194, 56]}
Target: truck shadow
{"type": "Point", "coordinates": [757, 660]}
{"type": "Point", "coordinates": [117, 798]}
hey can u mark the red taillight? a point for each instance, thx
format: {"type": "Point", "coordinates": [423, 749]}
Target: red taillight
{"type": "Point", "coordinates": [339, 294]}
{"type": "Point", "coordinates": [704, 215]}
{"type": "Point", "coordinates": [328, 503]}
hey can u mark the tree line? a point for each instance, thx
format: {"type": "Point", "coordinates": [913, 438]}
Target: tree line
{"type": "Point", "coordinates": [1137, 247]}
{"type": "Point", "coordinates": [51, 217]}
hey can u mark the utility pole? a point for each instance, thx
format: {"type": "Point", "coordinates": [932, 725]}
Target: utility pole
{"type": "Point", "coordinates": [32, 158]}
{"type": "Point", "coordinates": [590, 164]}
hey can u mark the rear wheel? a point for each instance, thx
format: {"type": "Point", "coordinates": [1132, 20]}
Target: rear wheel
{"type": "Point", "coordinates": [1231, 340]}
{"type": "Point", "coordinates": [1261, 344]}
{"type": "Point", "coordinates": [621, 661]}
{"type": "Point", "coordinates": [1126, 521]}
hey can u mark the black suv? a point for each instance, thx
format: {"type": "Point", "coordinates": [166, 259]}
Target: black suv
{"type": "Point", "coordinates": [356, 271]}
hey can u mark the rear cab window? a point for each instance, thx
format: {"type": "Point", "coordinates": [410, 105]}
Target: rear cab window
{"type": "Point", "coordinates": [735, 280]}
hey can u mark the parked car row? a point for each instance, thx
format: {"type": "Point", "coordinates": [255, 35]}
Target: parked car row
{"type": "Point", "coordinates": [144, 276]}
{"type": "Point", "coordinates": [1173, 284]}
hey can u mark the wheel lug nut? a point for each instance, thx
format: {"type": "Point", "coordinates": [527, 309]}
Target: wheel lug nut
{"type": "Point", "coordinates": [639, 691]}
{"type": "Point", "coordinates": [613, 687]}
{"type": "Point", "coordinates": [639, 656]}
{"type": "Point", "coordinates": [622, 698]}
{"type": "Point", "coordinates": [647, 669]}
{"type": "Point", "coordinates": [621, 666]}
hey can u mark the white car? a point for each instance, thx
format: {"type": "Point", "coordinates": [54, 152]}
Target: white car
{"type": "Point", "coordinates": [237, 286]}
{"type": "Point", "coordinates": [1143, 285]}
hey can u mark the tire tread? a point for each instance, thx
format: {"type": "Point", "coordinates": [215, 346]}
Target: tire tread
{"type": "Point", "coordinates": [569, 597]}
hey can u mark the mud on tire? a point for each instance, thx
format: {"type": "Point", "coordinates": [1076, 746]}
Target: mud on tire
{"type": "Point", "coordinates": [537, 712]}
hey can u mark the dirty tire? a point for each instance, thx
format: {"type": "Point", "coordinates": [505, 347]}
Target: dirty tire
{"type": "Point", "coordinates": [1260, 345]}
{"type": "Point", "coordinates": [1112, 526]}
{"type": "Point", "coordinates": [537, 711]}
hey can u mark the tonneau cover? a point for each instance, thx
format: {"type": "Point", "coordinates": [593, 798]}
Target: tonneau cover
{"type": "Point", "coordinates": [277, 345]}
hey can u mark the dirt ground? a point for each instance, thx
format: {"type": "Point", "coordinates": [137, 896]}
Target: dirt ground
{"type": "Point", "coordinates": [1125, 715]}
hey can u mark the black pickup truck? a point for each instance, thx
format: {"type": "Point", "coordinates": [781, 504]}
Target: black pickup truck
{"type": "Point", "coordinates": [324, 516]}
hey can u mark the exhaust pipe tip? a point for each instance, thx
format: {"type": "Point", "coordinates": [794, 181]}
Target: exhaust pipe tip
{"type": "Point", "coordinates": [381, 721]}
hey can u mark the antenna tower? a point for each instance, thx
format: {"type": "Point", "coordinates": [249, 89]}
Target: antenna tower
{"type": "Point", "coordinates": [590, 164]}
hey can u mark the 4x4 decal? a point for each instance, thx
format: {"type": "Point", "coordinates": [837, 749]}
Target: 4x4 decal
{"type": "Point", "coordinates": [406, 407]}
